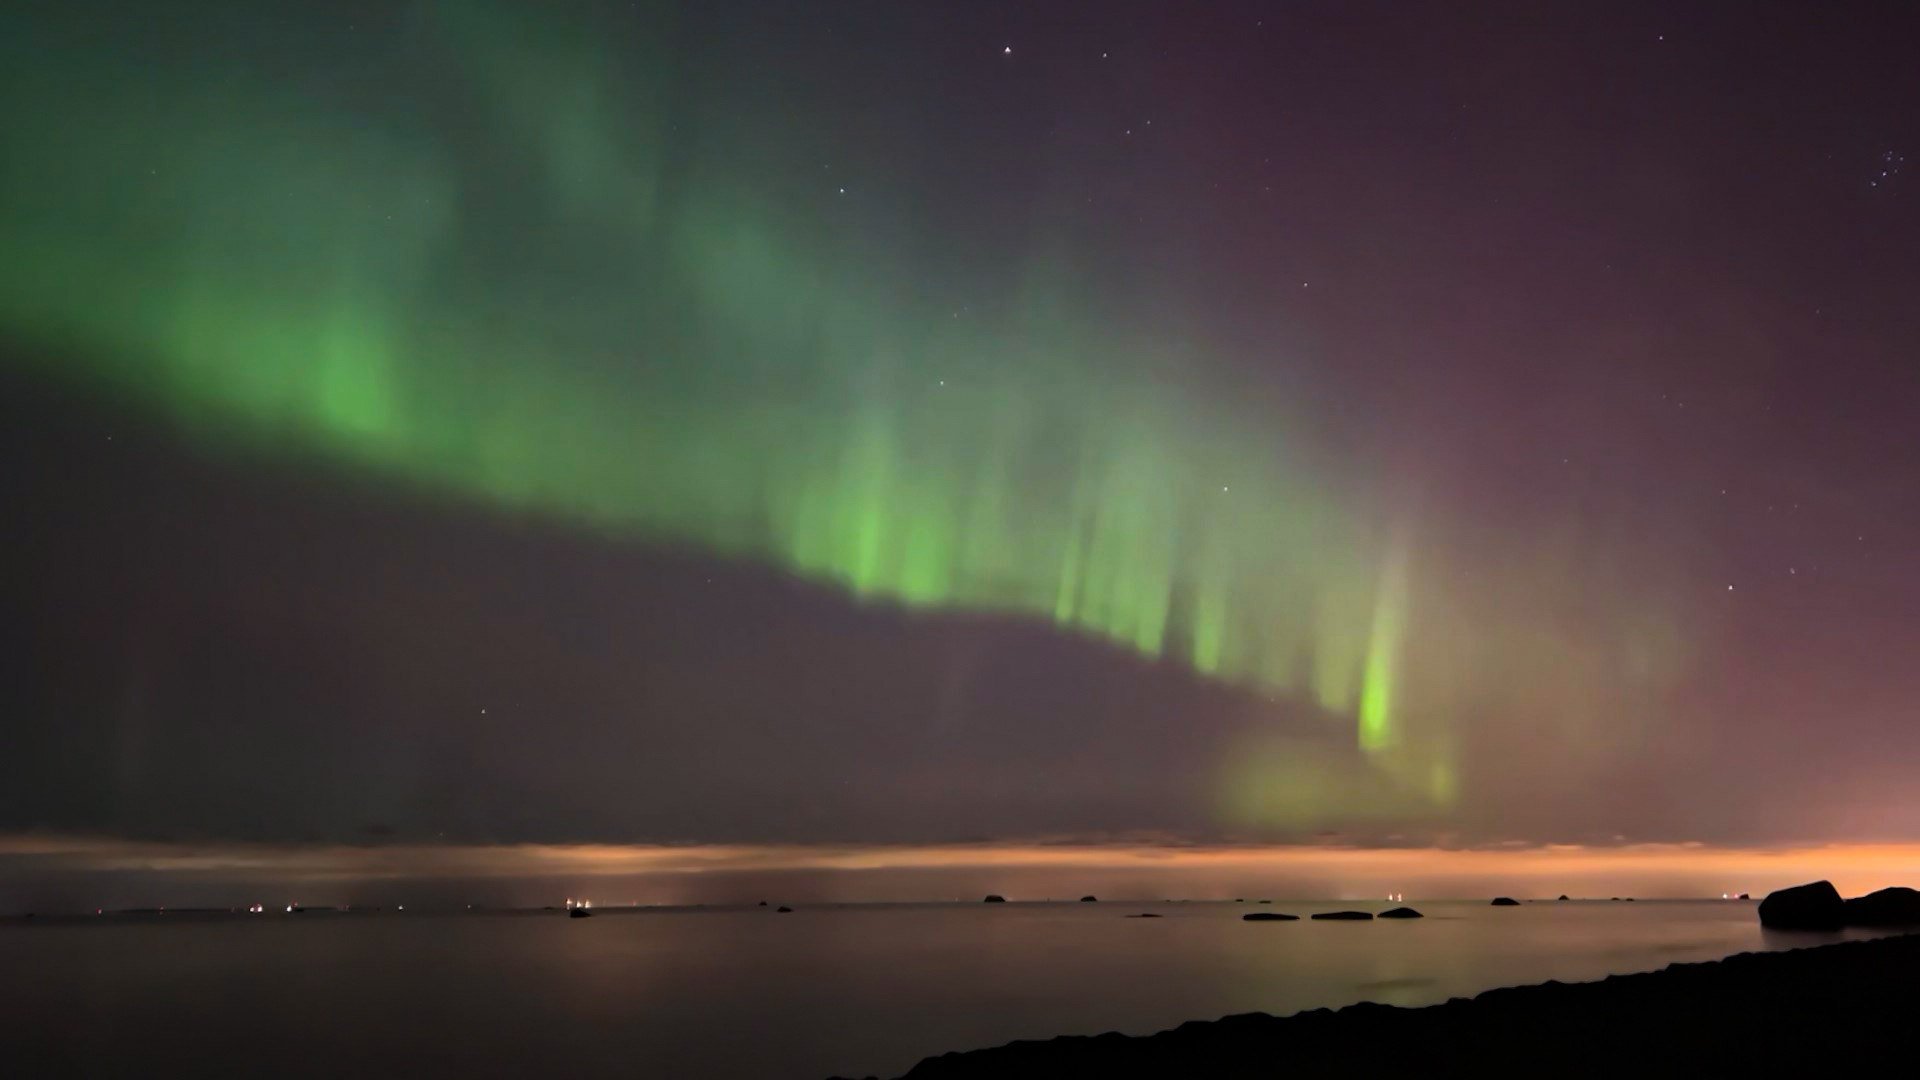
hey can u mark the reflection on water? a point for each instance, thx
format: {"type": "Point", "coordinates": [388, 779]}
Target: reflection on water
{"type": "Point", "coordinates": [750, 993]}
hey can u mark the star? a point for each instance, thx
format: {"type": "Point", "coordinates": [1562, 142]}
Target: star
{"type": "Point", "coordinates": [1008, 51]}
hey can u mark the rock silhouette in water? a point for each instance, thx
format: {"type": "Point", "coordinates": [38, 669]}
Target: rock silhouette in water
{"type": "Point", "coordinates": [1089, 900]}
{"type": "Point", "coordinates": [1814, 906]}
{"type": "Point", "coordinates": [1817, 906]}
{"type": "Point", "coordinates": [1889, 907]}
{"type": "Point", "coordinates": [1270, 916]}
{"type": "Point", "coordinates": [1505, 901]}
{"type": "Point", "coordinates": [1743, 896]}
{"type": "Point", "coordinates": [579, 913]}
{"type": "Point", "coordinates": [1401, 913]}
{"type": "Point", "coordinates": [763, 903]}
{"type": "Point", "coordinates": [1143, 915]}
{"type": "Point", "coordinates": [782, 910]}
{"type": "Point", "coordinates": [994, 898]}
{"type": "Point", "coordinates": [1344, 916]}
{"type": "Point", "coordinates": [1563, 896]}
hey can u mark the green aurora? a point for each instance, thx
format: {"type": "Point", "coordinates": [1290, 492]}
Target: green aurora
{"type": "Point", "coordinates": [492, 261]}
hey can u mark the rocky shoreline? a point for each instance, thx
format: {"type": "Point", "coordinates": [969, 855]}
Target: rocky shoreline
{"type": "Point", "coordinates": [1829, 1006]}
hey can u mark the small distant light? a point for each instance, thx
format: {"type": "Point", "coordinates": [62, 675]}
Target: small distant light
{"type": "Point", "coordinates": [289, 909]}
{"type": "Point", "coordinates": [1008, 51]}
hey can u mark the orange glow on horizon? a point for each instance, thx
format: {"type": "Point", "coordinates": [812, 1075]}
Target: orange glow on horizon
{"type": "Point", "coordinates": [1355, 871]}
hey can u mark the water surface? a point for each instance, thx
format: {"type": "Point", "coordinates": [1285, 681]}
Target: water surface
{"type": "Point", "coordinates": [748, 993]}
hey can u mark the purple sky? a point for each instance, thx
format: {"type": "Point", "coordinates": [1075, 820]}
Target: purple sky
{"type": "Point", "coordinates": [1625, 289]}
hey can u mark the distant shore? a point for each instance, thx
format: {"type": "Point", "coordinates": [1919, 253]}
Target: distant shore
{"type": "Point", "coordinates": [1828, 1006]}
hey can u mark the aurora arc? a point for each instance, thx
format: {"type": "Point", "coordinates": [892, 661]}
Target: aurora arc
{"type": "Point", "coordinates": [523, 278]}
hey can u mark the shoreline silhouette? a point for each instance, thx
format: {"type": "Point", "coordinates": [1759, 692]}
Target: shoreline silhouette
{"type": "Point", "coordinates": [1817, 1006]}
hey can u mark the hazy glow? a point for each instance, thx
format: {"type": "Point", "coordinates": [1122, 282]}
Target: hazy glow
{"type": "Point", "coordinates": [700, 872]}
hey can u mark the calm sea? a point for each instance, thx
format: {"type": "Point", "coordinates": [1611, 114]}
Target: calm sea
{"type": "Point", "coordinates": [748, 993]}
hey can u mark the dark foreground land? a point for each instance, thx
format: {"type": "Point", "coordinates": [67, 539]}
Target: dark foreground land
{"type": "Point", "coordinates": [1843, 1006]}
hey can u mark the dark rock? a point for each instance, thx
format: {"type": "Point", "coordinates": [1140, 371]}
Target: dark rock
{"type": "Point", "coordinates": [1888, 907]}
{"type": "Point", "coordinates": [1143, 915]}
{"type": "Point", "coordinates": [1266, 901]}
{"type": "Point", "coordinates": [1344, 916]}
{"type": "Point", "coordinates": [1743, 896]}
{"type": "Point", "coordinates": [1400, 913]}
{"type": "Point", "coordinates": [1089, 900]}
{"type": "Point", "coordinates": [1270, 916]}
{"type": "Point", "coordinates": [763, 903]}
{"type": "Point", "coordinates": [1505, 901]}
{"type": "Point", "coordinates": [782, 909]}
{"type": "Point", "coordinates": [1815, 906]}
{"type": "Point", "coordinates": [995, 898]}
{"type": "Point", "coordinates": [1761, 1014]}
{"type": "Point", "coordinates": [1563, 896]}
{"type": "Point", "coordinates": [579, 913]}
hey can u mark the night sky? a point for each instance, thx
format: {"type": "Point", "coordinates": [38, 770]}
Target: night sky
{"type": "Point", "coordinates": [1360, 425]}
